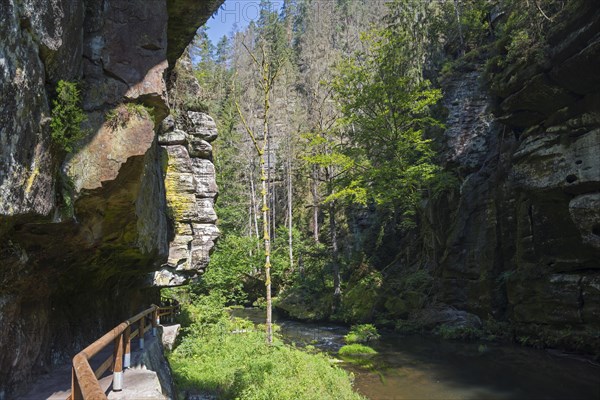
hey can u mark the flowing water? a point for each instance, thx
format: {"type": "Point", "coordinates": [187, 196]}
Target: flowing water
{"type": "Point", "coordinates": [424, 367]}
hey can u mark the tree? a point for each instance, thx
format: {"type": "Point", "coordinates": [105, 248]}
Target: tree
{"type": "Point", "coordinates": [386, 102]}
{"type": "Point", "coordinates": [324, 153]}
{"type": "Point", "coordinates": [268, 68]}
{"type": "Point", "coordinates": [321, 46]}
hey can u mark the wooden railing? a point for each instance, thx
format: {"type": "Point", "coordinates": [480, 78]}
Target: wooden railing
{"type": "Point", "coordinates": [84, 382]}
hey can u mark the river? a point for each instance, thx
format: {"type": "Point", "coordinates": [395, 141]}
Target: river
{"type": "Point", "coordinates": [423, 367]}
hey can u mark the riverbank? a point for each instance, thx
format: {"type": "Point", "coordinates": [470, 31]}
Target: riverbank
{"type": "Point", "coordinates": [429, 367]}
{"type": "Point", "coordinates": [224, 357]}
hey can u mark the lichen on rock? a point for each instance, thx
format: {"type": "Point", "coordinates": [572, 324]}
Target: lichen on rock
{"type": "Point", "coordinates": [191, 191]}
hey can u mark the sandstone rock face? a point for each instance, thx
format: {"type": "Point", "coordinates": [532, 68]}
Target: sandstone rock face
{"type": "Point", "coordinates": [191, 189]}
{"type": "Point", "coordinates": [80, 236]}
{"type": "Point", "coordinates": [39, 39]}
{"type": "Point", "coordinates": [520, 240]}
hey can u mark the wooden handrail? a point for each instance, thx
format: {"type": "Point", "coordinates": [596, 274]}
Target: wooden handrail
{"type": "Point", "coordinates": [84, 383]}
{"type": "Point", "coordinates": [168, 310]}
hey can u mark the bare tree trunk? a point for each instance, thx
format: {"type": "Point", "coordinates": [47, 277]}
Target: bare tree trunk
{"type": "Point", "coordinates": [267, 237]}
{"type": "Point", "coordinates": [315, 196]}
{"type": "Point", "coordinates": [250, 220]}
{"type": "Point", "coordinates": [337, 290]}
{"type": "Point", "coordinates": [270, 190]}
{"type": "Point", "coordinates": [268, 77]}
{"type": "Point", "coordinates": [290, 212]}
{"type": "Point", "coordinates": [459, 25]}
{"type": "Point", "coordinates": [254, 208]}
{"type": "Point", "coordinates": [273, 207]}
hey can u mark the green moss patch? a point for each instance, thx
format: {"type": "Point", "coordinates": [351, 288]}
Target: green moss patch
{"type": "Point", "coordinates": [356, 349]}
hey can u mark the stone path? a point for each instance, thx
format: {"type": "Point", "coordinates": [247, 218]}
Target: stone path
{"type": "Point", "coordinates": [138, 382]}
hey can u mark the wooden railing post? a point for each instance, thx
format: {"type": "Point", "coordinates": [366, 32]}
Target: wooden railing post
{"type": "Point", "coordinates": [155, 322]}
{"type": "Point", "coordinates": [75, 388]}
{"type": "Point", "coordinates": [127, 345]}
{"type": "Point", "coordinates": [142, 328]}
{"type": "Point", "coordinates": [117, 384]}
{"type": "Point", "coordinates": [84, 380]}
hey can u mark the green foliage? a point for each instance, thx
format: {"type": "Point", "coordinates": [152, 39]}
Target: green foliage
{"type": "Point", "coordinates": [306, 292]}
{"type": "Point", "coordinates": [235, 260]}
{"type": "Point", "coordinates": [360, 298]}
{"type": "Point", "coordinates": [272, 33]}
{"type": "Point", "coordinates": [195, 104]}
{"type": "Point", "coordinates": [66, 189]}
{"type": "Point", "coordinates": [497, 330]}
{"type": "Point", "coordinates": [362, 334]}
{"type": "Point", "coordinates": [408, 327]}
{"type": "Point", "coordinates": [458, 332]}
{"type": "Point", "coordinates": [203, 313]}
{"type": "Point", "coordinates": [521, 39]}
{"type": "Point", "coordinates": [209, 71]}
{"type": "Point", "coordinates": [356, 349]}
{"type": "Point", "coordinates": [418, 280]}
{"type": "Point", "coordinates": [567, 337]}
{"type": "Point", "coordinates": [464, 25]}
{"type": "Point", "coordinates": [227, 358]}
{"type": "Point", "coordinates": [67, 116]}
{"type": "Point", "coordinates": [523, 34]}
{"type": "Point", "coordinates": [236, 267]}
{"type": "Point", "coordinates": [386, 107]}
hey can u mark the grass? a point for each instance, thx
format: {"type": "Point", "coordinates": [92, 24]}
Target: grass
{"type": "Point", "coordinates": [120, 116]}
{"type": "Point", "coordinates": [356, 349]}
{"type": "Point", "coordinates": [358, 354]}
{"type": "Point", "coordinates": [212, 359]}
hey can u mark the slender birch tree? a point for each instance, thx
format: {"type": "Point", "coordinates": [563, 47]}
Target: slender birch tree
{"type": "Point", "coordinates": [269, 70]}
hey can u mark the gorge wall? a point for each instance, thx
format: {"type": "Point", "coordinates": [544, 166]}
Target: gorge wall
{"type": "Point", "coordinates": [87, 237]}
{"type": "Point", "coordinates": [519, 240]}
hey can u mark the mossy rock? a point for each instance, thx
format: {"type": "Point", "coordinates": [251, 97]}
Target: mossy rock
{"type": "Point", "coordinates": [361, 299]}
{"type": "Point", "coordinates": [303, 305]}
{"type": "Point", "coordinates": [401, 306]}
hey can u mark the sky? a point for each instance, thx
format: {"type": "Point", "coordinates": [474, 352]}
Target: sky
{"type": "Point", "coordinates": [232, 13]}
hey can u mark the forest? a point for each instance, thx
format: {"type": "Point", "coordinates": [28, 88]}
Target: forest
{"type": "Point", "coordinates": [338, 188]}
{"type": "Point", "coordinates": [336, 107]}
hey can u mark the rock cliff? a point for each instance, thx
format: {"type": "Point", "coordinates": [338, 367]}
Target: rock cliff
{"type": "Point", "coordinates": [520, 240]}
{"type": "Point", "coordinates": [83, 234]}
{"type": "Point", "coordinates": [514, 246]}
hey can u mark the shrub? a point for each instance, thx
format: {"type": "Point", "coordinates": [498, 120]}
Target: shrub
{"type": "Point", "coordinates": [362, 334]}
{"type": "Point", "coordinates": [194, 104]}
{"type": "Point", "coordinates": [408, 327]}
{"type": "Point", "coordinates": [67, 116]}
{"type": "Point", "coordinates": [466, 332]}
{"type": "Point", "coordinates": [360, 298]}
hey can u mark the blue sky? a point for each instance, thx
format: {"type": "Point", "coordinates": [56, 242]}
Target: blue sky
{"type": "Point", "coordinates": [232, 13]}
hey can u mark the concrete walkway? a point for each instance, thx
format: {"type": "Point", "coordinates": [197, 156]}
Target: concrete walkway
{"type": "Point", "coordinates": [138, 381]}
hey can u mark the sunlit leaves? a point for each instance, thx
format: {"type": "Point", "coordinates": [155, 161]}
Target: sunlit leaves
{"type": "Point", "coordinates": [386, 108]}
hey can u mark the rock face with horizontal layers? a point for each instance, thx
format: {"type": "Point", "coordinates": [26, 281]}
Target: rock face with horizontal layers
{"type": "Point", "coordinates": [190, 183]}
{"type": "Point", "coordinates": [520, 241]}
{"type": "Point", "coordinates": [81, 234]}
